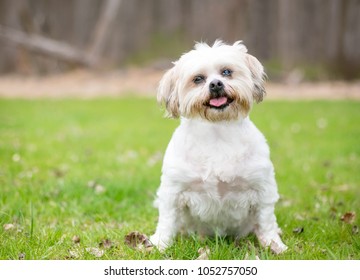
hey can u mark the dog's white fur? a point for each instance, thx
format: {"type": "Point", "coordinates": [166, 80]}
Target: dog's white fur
{"type": "Point", "coordinates": [217, 177]}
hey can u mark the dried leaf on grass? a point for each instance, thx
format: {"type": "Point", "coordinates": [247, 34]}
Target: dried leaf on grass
{"type": "Point", "coordinates": [298, 230]}
{"type": "Point", "coordinates": [8, 226]}
{"type": "Point", "coordinates": [299, 217]}
{"type": "Point", "coordinates": [95, 252]}
{"type": "Point", "coordinates": [59, 172]}
{"type": "Point", "coordinates": [247, 257]}
{"type": "Point", "coordinates": [12, 227]}
{"type": "Point", "coordinates": [138, 241]}
{"type": "Point", "coordinates": [348, 217]}
{"type": "Point", "coordinates": [74, 254]}
{"type": "Point", "coordinates": [91, 184]}
{"type": "Point", "coordinates": [98, 189]}
{"type": "Point", "coordinates": [22, 256]}
{"type": "Point", "coordinates": [76, 239]}
{"type": "Point", "coordinates": [355, 229]}
{"type": "Point", "coordinates": [106, 244]}
{"type": "Point", "coordinates": [204, 253]}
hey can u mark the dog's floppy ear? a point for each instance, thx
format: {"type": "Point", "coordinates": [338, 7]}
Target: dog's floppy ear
{"type": "Point", "coordinates": [167, 93]}
{"type": "Point", "coordinates": [258, 75]}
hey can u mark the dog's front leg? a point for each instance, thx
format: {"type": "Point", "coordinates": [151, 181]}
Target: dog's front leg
{"type": "Point", "coordinates": [167, 226]}
{"type": "Point", "coordinates": [267, 230]}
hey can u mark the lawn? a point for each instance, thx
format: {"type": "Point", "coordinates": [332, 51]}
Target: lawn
{"type": "Point", "coordinates": [77, 176]}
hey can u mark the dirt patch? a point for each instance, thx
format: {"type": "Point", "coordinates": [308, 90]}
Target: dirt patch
{"type": "Point", "coordinates": [143, 82]}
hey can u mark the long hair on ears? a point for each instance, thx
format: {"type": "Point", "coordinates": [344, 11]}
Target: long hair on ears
{"type": "Point", "coordinates": [167, 93]}
{"type": "Point", "coordinates": [258, 75]}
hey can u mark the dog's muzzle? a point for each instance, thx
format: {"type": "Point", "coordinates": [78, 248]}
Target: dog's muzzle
{"type": "Point", "coordinates": [218, 97]}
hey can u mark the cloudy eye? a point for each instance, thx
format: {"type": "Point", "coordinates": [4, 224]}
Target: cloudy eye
{"type": "Point", "coordinates": [198, 79]}
{"type": "Point", "coordinates": [226, 72]}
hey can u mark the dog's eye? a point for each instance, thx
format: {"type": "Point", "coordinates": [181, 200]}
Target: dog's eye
{"type": "Point", "coordinates": [198, 79]}
{"type": "Point", "coordinates": [226, 72]}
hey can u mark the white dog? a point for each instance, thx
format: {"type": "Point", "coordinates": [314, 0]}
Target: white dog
{"type": "Point", "coordinates": [217, 177]}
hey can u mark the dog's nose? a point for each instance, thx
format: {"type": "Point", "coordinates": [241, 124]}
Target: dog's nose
{"type": "Point", "coordinates": [216, 86]}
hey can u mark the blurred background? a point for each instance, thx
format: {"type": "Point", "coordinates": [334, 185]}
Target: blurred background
{"type": "Point", "coordinates": [296, 40]}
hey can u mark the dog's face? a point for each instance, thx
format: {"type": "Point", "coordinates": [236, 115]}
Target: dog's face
{"type": "Point", "coordinates": [214, 83]}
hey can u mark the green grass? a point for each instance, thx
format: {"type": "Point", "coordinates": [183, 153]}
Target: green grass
{"type": "Point", "coordinates": [50, 151]}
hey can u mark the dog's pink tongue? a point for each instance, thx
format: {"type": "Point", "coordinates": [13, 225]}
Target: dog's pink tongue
{"type": "Point", "coordinates": [217, 102]}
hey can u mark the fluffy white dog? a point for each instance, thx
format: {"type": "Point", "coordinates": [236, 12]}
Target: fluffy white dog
{"type": "Point", "coordinates": [217, 177]}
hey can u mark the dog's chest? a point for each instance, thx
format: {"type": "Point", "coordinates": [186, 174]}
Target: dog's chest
{"type": "Point", "coordinates": [218, 171]}
{"type": "Point", "coordinates": [217, 157]}
{"type": "Point", "coordinates": [213, 167]}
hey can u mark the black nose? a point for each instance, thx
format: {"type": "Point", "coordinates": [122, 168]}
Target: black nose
{"type": "Point", "coordinates": [216, 86]}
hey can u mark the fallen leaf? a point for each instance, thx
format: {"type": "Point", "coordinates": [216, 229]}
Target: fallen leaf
{"type": "Point", "coordinates": [95, 252]}
{"type": "Point", "coordinates": [76, 239]}
{"type": "Point", "coordinates": [138, 240]}
{"type": "Point", "coordinates": [299, 217]}
{"type": "Point", "coordinates": [298, 230]}
{"type": "Point", "coordinates": [16, 157]}
{"type": "Point", "coordinates": [355, 230]}
{"type": "Point", "coordinates": [99, 189]}
{"type": "Point", "coordinates": [247, 257]}
{"type": "Point", "coordinates": [8, 226]}
{"type": "Point", "coordinates": [204, 253]}
{"type": "Point", "coordinates": [22, 256]}
{"type": "Point", "coordinates": [348, 217]}
{"type": "Point", "coordinates": [106, 244]}
{"type": "Point", "coordinates": [74, 254]}
{"type": "Point", "coordinates": [340, 203]}
{"type": "Point", "coordinates": [59, 173]}
{"type": "Point", "coordinates": [91, 184]}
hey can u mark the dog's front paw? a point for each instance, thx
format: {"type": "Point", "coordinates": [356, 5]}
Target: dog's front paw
{"type": "Point", "coordinates": [160, 243]}
{"type": "Point", "coordinates": [273, 241]}
{"type": "Point", "coordinates": [278, 247]}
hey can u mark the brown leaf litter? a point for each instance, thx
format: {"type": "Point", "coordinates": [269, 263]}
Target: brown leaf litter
{"type": "Point", "coordinates": [138, 241]}
{"type": "Point", "coordinates": [106, 244]}
{"type": "Point", "coordinates": [98, 189]}
{"type": "Point", "coordinates": [355, 230]}
{"type": "Point", "coordinates": [298, 230]}
{"type": "Point", "coordinates": [76, 239]}
{"type": "Point", "coordinates": [204, 253]}
{"type": "Point", "coordinates": [348, 217]}
{"type": "Point", "coordinates": [96, 252]}
{"type": "Point", "coordinates": [8, 227]}
{"type": "Point", "coordinates": [22, 256]}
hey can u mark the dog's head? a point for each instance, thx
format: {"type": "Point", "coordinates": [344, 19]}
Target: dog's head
{"type": "Point", "coordinates": [219, 82]}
